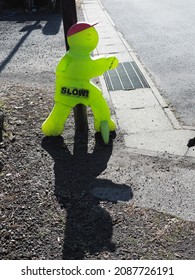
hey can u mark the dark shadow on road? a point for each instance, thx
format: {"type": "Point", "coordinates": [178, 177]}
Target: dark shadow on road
{"type": "Point", "coordinates": [51, 27]}
{"type": "Point", "coordinates": [28, 30]}
{"type": "Point", "coordinates": [88, 228]}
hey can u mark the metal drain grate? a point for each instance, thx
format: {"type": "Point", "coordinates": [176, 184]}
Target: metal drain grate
{"type": "Point", "coordinates": [126, 76]}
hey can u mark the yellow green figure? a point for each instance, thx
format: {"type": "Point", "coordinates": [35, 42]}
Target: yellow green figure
{"type": "Point", "coordinates": [74, 86]}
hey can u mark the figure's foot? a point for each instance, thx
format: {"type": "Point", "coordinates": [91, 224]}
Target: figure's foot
{"type": "Point", "coordinates": [112, 125]}
{"type": "Point", "coordinates": [51, 129]}
{"type": "Point", "coordinates": [105, 132]}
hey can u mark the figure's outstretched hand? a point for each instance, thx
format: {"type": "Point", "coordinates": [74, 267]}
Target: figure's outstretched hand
{"type": "Point", "coordinates": [112, 62]}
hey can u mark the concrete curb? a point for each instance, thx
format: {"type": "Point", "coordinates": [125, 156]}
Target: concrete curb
{"type": "Point", "coordinates": [149, 125]}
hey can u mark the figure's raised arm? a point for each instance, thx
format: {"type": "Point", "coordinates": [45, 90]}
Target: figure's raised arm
{"type": "Point", "coordinates": [104, 64]}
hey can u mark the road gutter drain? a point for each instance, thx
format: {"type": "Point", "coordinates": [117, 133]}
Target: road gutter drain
{"type": "Point", "coordinates": [127, 76]}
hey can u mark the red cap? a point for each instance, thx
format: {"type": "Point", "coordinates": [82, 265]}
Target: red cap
{"type": "Point", "coordinates": [78, 27]}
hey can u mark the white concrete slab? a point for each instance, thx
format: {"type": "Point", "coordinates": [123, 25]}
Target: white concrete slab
{"type": "Point", "coordinates": [109, 49]}
{"type": "Point", "coordinates": [168, 141]}
{"type": "Point", "coordinates": [143, 120]}
{"type": "Point", "coordinates": [132, 99]}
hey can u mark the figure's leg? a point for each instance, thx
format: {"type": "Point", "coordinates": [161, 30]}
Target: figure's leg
{"type": "Point", "coordinates": [54, 124]}
{"type": "Point", "coordinates": [101, 113]}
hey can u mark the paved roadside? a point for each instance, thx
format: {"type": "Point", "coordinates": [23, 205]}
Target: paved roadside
{"type": "Point", "coordinates": [72, 197]}
{"type": "Point", "coordinates": [149, 124]}
{"type": "Point", "coordinates": [149, 127]}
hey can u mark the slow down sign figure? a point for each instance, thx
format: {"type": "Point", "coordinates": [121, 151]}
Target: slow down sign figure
{"type": "Point", "coordinates": [74, 86]}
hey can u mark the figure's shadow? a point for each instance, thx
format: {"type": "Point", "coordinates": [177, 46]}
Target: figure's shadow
{"type": "Point", "coordinates": [88, 228]}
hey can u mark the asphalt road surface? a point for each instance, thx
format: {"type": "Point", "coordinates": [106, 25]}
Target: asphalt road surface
{"type": "Point", "coordinates": [162, 33]}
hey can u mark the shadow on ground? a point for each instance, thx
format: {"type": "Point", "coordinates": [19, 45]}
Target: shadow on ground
{"type": "Point", "coordinates": [49, 23]}
{"type": "Point", "coordinates": [88, 228]}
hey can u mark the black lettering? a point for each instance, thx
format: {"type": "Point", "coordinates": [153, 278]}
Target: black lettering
{"type": "Point", "coordinates": [78, 271]}
{"type": "Point", "coordinates": [41, 271]}
{"type": "Point", "coordinates": [75, 91]}
{"type": "Point", "coordinates": [63, 90]}
{"type": "Point", "coordinates": [29, 271]}
{"type": "Point", "coordinates": [57, 271]}
{"type": "Point", "coordinates": [48, 272]}
{"type": "Point", "coordinates": [63, 271]}
{"type": "Point", "coordinates": [23, 272]}
{"type": "Point", "coordinates": [83, 92]}
{"type": "Point", "coordinates": [68, 271]}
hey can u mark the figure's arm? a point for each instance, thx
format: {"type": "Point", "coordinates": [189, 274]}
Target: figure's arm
{"type": "Point", "coordinates": [112, 62]}
{"type": "Point", "coordinates": [103, 64]}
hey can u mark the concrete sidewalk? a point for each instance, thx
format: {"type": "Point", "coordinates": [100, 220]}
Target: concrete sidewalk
{"type": "Point", "coordinates": [147, 121]}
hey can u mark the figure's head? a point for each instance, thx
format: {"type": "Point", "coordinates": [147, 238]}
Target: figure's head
{"type": "Point", "coordinates": [82, 37]}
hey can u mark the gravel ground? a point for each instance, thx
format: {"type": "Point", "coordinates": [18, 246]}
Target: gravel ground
{"type": "Point", "coordinates": [71, 197]}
